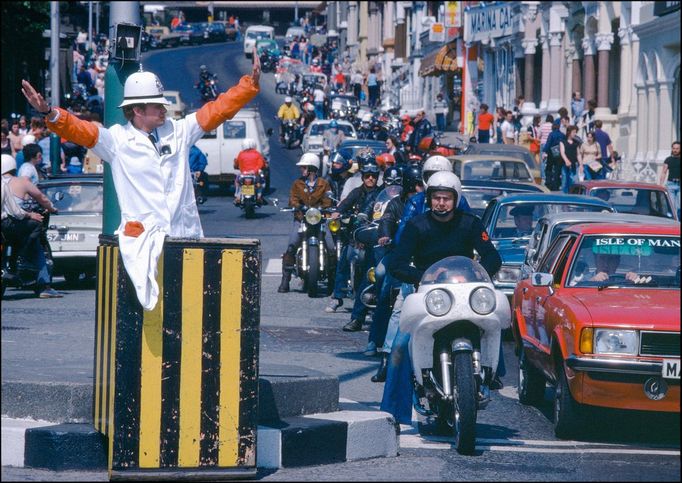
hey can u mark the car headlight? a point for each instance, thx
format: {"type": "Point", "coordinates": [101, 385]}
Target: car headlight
{"type": "Point", "coordinates": [615, 341]}
{"type": "Point", "coordinates": [508, 274]}
{"type": "Point", "coordinates": [438, 302]}
{"type": "Point", "coordinates": [482, 301]}
{"type": "Point", "coordinates": [313, 216]}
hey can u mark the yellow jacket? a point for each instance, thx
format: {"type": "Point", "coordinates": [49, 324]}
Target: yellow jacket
{"type": "Point", "coordinates": [290, 112]}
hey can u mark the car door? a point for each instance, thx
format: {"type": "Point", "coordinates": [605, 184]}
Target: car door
{"type": "Point", "coordinates": [534, 299]}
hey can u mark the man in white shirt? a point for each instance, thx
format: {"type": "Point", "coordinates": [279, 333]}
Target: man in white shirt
{"type": "Point", "coordinates": [33, 157]}
{"type": "Point", "coordinates": [508, 131]}
{"type": "Point", "coordinates": [318, 100]}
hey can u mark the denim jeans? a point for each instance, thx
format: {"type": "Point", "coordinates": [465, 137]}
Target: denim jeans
{"type": "Point", "coordinates": [674, 190]}
{"type": "Point", "coordinates": [398, 389]}
{"type": "Point", "coordinates": [359, 309]}
{"type": "Point", "coordinates": [382, 312]}
{"type": "Point", "coordinates": [440, 121]}
{"type": "Point", "coordinates": [319, 110]}
{"type": "Point", "coordinates": [483, 136]}
{"type": "Point", "coordinates": [342, 273]}
{"type": "Point", "coordinates": [568, 178]}
{"type": "Point", "coordinates": [394, 322]}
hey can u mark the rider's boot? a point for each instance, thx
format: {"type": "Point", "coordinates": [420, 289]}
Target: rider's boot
{"type": "Point", "coordinates": [380, 376]}
{"type": "Point", "coordinates": [484, 392]}
{"type": "Point", "coordinates": [288, 263]}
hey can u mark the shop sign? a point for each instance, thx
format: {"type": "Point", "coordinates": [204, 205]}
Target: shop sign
{"type": "Point", "coordinates": [453, 14]}
{"type": "Point", "coordinates": [437, 32]}
{"type": "Point", "coordinates": [483, 23]}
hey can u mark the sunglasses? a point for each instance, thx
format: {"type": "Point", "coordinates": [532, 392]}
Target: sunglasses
{"type": "Point", "coordinates": [370, 175]}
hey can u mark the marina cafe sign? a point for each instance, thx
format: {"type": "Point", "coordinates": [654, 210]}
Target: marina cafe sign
{"type": "Point", "coordinates": [482, 23]}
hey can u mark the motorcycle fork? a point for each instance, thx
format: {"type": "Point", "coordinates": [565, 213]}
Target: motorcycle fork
{"type": "Point", "coordinates": [445, 359]}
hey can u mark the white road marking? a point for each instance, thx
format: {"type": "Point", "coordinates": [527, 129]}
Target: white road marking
{"type": "Point", "coordinates": [274, 266]}
{"type": "Point", "coordinates": [409, 438]}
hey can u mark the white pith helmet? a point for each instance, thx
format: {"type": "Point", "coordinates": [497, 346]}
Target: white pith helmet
{"type": "Point", "coordinates": [143, 88]}
{"type": "Point", "coordinates": [435, 164]}
{"type": "Point", "coordinates": [248, 143]}
{"type": "Point", "coordinates": [8, 163]}
{"type": "Point", "coordinates": [445, 181]}
{"type": "Point", "coordinates": [287, 99]}
{"type": "Point", "coordinates": [309, 159]}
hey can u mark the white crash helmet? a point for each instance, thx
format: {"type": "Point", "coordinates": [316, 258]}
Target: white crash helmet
{"type": "Point", "coordinates": [28, 139]}
{"type": "Point", "coordinates": [433, 165]}
{"type": "Point", "coordinates": [445, 181]}
{"type": "Point", "coordinates": [309, 159]}
{"type": "Point", "coordinates": [367, 117]}
{"type": "Point", "coordinates": [143, 88]}
{"type": "Point", "coordinates": [8, 164]}
{"type": "Point", "coordinates": [248, 143]}
{"type": "Point", "coordinates": [287, 99]}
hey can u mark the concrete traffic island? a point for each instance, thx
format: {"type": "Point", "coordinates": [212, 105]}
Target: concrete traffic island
{"type": "Point", "coordinates": [301, 422]}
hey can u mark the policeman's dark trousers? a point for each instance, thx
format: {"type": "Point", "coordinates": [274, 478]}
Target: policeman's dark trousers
{"type": "Point", "coordinates": [398, 389]}
{"type": "Point", "coordinates": [382, 312]}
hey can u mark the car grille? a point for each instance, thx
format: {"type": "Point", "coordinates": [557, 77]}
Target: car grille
{"type": "Point", "coordinates": [660, 344]}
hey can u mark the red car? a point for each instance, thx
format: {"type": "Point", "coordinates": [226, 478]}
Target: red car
{"type": "Point", "coordinates": [630, 196]}
{"type": "Point", "coordinates": [600, 319]}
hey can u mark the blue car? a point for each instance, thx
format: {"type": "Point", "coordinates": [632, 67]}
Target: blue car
{"type": "Point", "coordinates": [510, 220]}
{"type": "Point", "coordinates": [479, 193]}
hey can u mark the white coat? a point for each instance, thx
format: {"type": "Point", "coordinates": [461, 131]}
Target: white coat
{"type": "Point", "coordinates": [154, 189]}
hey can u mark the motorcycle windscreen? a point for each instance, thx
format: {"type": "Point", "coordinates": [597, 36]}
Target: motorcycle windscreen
{"type": "Point", "coordinates": [455, 270]}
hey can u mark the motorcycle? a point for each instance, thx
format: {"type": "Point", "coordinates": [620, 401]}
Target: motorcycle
{"type": "Point", "coordinates": [250, 190]}
{"type": "Point", "coordinates": [314, 263]}
{"type": "Point", "coordinates": [207, 89]}
{"type": "Point", "coordinates": [290, 131]}
{"type": "Point", "coordinates": [77, 99]}
{"type": "Point", "coordinates": [268, 61]}
{"type": "Point", "coordinates": [455, 321]}
{"type": "Point", "coordinates": [25, 276]}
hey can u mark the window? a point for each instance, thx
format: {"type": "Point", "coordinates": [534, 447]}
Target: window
{"type": "Point", "coordinates": [552, 256]}
{"type": "Point", "coordinates": [234, 130]}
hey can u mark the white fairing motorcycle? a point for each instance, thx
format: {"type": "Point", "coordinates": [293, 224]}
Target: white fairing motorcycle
{"type": "Point", "coordinates": [455, 321]}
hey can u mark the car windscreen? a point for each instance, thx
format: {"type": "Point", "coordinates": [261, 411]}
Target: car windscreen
{"type": "Point", "coordinates": [349, 152]}
{"type": "Point", "coordinates": [478, 198]}
{"type": "Point", "coordinates": [524, 156]}
{"type": "Point", "coordinates": [490, 169]}
{"type": "Point", "coordinates": [519, 219]}
{"type": "Point", "coordinates": [651, 261]}
{"type": "Point", "coordinates": [76, 198]}
{"type": "Point", "coordinates": [319, 129]}
{"type": "Point", "coordinates": [636, 200]}
{"type": "Point", "coordinates": [257, 35]}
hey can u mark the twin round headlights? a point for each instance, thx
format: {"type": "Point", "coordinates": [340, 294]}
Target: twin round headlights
{"type": "Point", "coordinates": [439, 301]}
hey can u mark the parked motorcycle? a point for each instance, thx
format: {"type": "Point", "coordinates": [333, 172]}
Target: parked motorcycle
{"type": "Point", "coordinates": [454, 320]}
{"type": "Point", "coordinates": [25, 276]}
{"type": "Point", "coordinates": [250, 191]}
{"type": "Point", "coordinates": [314, 263]}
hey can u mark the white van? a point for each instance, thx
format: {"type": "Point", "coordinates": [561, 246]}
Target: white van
{"type": "Point", "coordinates": [293, 32]}
{"type": "Point", "coordinates": [222, 145]}
{"type": "Point", "coordinates": [254, 33]}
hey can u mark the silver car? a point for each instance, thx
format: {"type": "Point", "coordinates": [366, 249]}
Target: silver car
{"type": "Point", "coordinates": [313, 137]}
{"type": "Point", "coordinates": [74, 231]}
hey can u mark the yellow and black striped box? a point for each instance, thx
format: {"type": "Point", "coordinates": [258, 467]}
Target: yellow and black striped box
{"type": "Point", "coordinates": [176, 388]}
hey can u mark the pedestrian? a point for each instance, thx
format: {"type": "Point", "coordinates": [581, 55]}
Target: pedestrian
{"type": "Point", "coordinates": [670, 175]}
{"type": "Point", "coordinates": [552, 154]}
{"type": "Point", "coordinates": [517, 114]}
{"type": "Point", "coordinates": [238, 29]}
{"type": "Point", "coordinates": [587, 119]}
{"type": "Point", "coordinates": [294, 48]}
{"type": "Point", "coordinates": [23, 126]}
{"type": "Point", "coordinates": [422, 129]}
{"type": "Point", "coordinates": [356, 82]}
{"type": "Point", "coordinates": [570, 155]}
{"type": "Point", "coordinates": [318, 101]}
{"type": "Point", "coordinates": [15, 137]}
{"type": "Point", "coordinates": [508, 130]}
{"type": "Point", "coordinates": [577, 107]}
{"type": "Point", "coordinates": [604, 141]}
{"type": "Point", "coordinates": [5, 144]}
{"type": "Point", "coordinates": [32, 165]}
{"type": "Point", "coordinates": [501, 115]}
{"type": "Point", "coordinates": [156, 199]}
{"type": "Point", "coordinates": [84, 77]}
{"type": "Point", "coordinates": [590, 153]}
{"type": "Point", "coordinates": [339, 80]}
{"type": "Point", "coordinates": [372, 87]}
{"type": "Point", "coordinates": [534, 130]}
{"type": "Point", "coordinates": [303, 48]}
{"type": "Point", "coordinates": [486, 121]}
{"type": "Point", "coordinates": [440, 108]}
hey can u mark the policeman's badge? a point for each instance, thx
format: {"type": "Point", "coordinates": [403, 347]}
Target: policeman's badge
{"type": "Point", "coordinates": [484, 236]}
{"type": "Point", "coordinates": [159, 86]}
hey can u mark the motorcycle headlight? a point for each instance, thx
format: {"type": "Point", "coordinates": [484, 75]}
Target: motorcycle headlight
{"type": "Point", "coordinates": [482, 301]}
{"type": "Point", "coordinates": [313, 216]}
{"type": "Point", "coordinates": [615, 341]}
{"type": "Point", "coordinates": [342, 114]}
{"type": "Point", "coordinates": [508, 274]}
{"type": "Point", "coordinates": [334, 225]}
{"type": "Point", "coordinates": [438, 302]}
{"type": "Point", "coordinates": [371, 275]}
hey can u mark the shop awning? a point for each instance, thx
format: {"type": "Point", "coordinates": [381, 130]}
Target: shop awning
{"type": "Point", "coordinates": [442, 61]}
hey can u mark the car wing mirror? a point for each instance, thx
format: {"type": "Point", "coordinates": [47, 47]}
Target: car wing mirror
{"type": "Point", "coordinates": [539, 279]}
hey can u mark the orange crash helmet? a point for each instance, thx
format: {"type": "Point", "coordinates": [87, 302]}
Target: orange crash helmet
{"type": "Point", "coordinates": [425, 144]}
{"type": "Point", "coordinates": [385, 159]}
{"type": "Point", "coordinates": [405, 118]}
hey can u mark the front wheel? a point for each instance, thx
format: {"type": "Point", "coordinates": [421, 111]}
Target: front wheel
{"type": "Point", "coordinates": [313, 270]}
{"type": "Point", "coordinates": [567, 411]}
{"type": "Point", "coordinates": [464, 416]}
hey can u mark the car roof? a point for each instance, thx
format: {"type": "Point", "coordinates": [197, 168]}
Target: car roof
{"type": "Point", "coordinates": [552, 198]}
{"type": "Point", "coordinates": [507, 185]}
{"type": "Point", "coordinates": [95, 178]}
{"type": "Point", "coordinates": [496, 147]}
{"type": "Point", "coordinates": [484, 157]}
{"type": "Point", "coordinates": [623, 228]}
{"type": "Point", "coordinates": [260, 27]}
{"type": "Point", "coordinates": [620, 184]}
{"type": "Point", "coordinates": [578, 216]}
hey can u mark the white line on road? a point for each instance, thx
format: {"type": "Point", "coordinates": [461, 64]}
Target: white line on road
{"type": "Point", "coordinates": [274, 266]}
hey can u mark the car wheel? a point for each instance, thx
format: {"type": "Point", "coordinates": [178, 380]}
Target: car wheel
{"type": "Point", "coordinates": [531, 386]}
{"type": "Point", "coordinates": [568, 413]}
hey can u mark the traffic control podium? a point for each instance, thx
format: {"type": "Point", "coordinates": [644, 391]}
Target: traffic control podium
{"type": "Point", "coordinates": [176, 388]}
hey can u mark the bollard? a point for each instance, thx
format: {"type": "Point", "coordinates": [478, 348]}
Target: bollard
{"type": "Point", "coordinates": [176, 388]}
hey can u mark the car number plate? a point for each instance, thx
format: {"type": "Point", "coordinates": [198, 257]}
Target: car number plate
{"type": "Point", "coordinates": [66, 237]}
{"type": "Point", "coordinates": [671, 368]}
{"type": "Point", "coordinates": [249, 190]}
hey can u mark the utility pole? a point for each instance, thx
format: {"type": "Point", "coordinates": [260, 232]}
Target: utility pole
{"type": "Point", "coordinates": [97, 13]}
{"type": "Point", "coordinates": [114, 80]}
{"type": "Point", "coordinates": [296, 13]}
{"type": "Point", "coordinates": [55, 149]}
{"type": "Point", "coordinates": [89, 25]}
